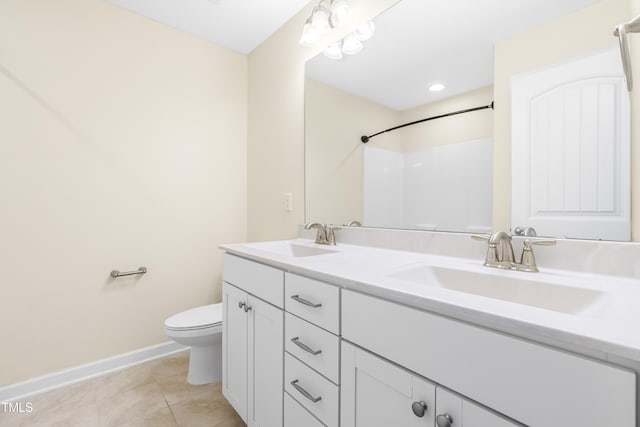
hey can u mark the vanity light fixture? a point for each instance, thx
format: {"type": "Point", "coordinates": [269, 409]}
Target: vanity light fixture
{"type": "Point", "coordinates": [436, 87]}
{"type": "Point", "coordinates": [327, 15]}
{"type": "Point", "coordinates": [334, 50]}
{"type": "Point", "coordinates": [352, 43]}
{"type": "Point", "coordinates": [365, 31]}
{"type": "Point", "coordinates": [340, 12]}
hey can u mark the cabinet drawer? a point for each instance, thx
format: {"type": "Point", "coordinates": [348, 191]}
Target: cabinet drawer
{"type": "Point", "coordinates": [260, 280]}
{"type": "Point", "coordinates": [462, 410]}
{"type": "Point", "coordinates": [315, 301]}
{"type": "Point", "coordinates": [313, 391]}
{"type": "Point", "coordinates": [296, 416]}
{"type": "Point", "coordinates": [314, 346]}
{"type": "Point", "coordinates": [501, 372]}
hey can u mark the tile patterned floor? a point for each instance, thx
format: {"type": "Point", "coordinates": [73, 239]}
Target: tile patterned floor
{"type": "Point", "coordinates": [152, 394]}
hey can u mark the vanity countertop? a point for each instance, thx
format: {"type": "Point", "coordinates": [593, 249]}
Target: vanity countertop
{"type": "Point", "coordinates": [606, 330]}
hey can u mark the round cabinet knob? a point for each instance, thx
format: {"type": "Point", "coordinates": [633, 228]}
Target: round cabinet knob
{"type": "Point", "coordinates": [242, 304]}
{"type": "Point", "coordinates": [419, 408]}
{"type": "Point", "coordinates": [444, 420]}
{"type": "Point", "coordinates": [247, 307]}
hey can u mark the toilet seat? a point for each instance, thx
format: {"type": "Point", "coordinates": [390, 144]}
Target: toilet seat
{"type": "Point", "coordinates": [197, 318]}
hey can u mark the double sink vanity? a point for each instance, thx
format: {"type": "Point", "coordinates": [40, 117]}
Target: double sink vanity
{"type": "Point", "coordinates": [381, 330]}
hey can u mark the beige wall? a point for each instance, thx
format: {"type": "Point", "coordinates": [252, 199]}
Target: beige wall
{"type": "Point", "coordinates": [128, 143]}
{"type": "Point", "coordinates": [334, 123]}
{"type": "Point", "coordinates": [448, 130]}
{"type": "Point", "coordinates": [577, 34]}
{"type": "Point", "coordinates": [276, 124]}
{"type": "Point", "coordinates": [123, 144]}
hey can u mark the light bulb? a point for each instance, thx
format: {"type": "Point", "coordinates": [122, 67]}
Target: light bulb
{"type": "Point", "coordinates": [436, 87]}
{"type": "Point", "coordinates": [320, 22]}
{"type": "Point", "coordinates": [351, 45]}
{"type": "Point", "coordinates": [333, 51]}
{"type": "Point", "coordinates": [365, 31]}
{"type": "Point", "coordinates": [340, 12]}
{"type": "Point", "coordinates": [309, 36]}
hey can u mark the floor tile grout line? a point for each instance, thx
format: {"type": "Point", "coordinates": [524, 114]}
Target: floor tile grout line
{"type": "Point", "coordinates": [163, 377]}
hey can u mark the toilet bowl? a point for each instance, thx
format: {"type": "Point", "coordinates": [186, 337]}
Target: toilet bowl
{"type": "Point", "coordinates": [201, 329]}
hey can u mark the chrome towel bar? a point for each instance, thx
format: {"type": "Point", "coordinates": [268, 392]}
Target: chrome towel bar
{"type": "Point", "coordinates": [116, 273]}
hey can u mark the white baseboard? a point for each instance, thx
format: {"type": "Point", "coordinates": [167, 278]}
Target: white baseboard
{"type": "Point", "coordinates": [83, 372]}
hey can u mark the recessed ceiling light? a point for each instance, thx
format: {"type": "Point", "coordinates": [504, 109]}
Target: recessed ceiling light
{"type": "Point", "coordinates": [437, 87]}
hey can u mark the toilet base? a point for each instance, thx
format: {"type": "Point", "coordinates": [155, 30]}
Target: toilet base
{"type": "Point", "coordinates": [205, 364]}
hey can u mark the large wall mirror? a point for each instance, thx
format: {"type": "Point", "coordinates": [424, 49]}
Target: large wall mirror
{"type": "Point", "coordinates": [441, 174]}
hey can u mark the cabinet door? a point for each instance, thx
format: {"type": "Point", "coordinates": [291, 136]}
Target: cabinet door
{"type": "Point", "coordinates": [376, 393]}
{"type": "Point", "coordinates": [476, 416]}
{"type": "Point", "coordinates": [265, 363]}
{"type": "Point", "coordinates": [234, 348]}
{"type": "Point", "coordinates": [454, 411]}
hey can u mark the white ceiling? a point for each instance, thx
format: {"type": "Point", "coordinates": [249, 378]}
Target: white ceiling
{"type": "Point", "coordinates": [419, 42]}
{"type": "Point", "coordinates": [240, 25]}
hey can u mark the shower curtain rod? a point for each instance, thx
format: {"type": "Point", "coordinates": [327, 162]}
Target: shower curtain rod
{"type": "Point", "coordinates": [366, 139]}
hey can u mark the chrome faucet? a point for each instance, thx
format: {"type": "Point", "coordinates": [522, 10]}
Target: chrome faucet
{"type": "Point", "coordinates": [525, 231]}
{"type": "Point", "coordinates": [504, 257]}
{"type": "Point", "coordinates": [321, 235]}
{"type": "Point", "coordinates": [325, 234]}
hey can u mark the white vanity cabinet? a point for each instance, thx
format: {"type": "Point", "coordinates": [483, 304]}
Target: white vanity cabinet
{"type": "Point", "coordinates": [299, 352]}
{"type": "Point", "coordinates": [378, 393]}
{"type": "Point", "coordinates": [530, 383]}
{"type": "Point", "coordinates": [312, 352]}
{"type": "Point", "coordinates": [252, 357]}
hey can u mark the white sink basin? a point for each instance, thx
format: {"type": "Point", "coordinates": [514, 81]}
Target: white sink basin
{"type": "Point", "coordinates": [511, 287]}
{"type": "Point", "coordinates": [291, 249]}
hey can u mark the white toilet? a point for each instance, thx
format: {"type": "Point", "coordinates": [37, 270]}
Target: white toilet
{"type": "Point", "coordinates": [201, 329]}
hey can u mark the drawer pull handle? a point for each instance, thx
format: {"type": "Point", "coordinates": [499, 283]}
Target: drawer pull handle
{"type": "Point", "coordinates": [305, 347]}
{"type": "Point", "coordinates": [305, 393]}
{"type": "Point", "coordinates": [444, 420]}
{"type": "Point", "coordinates": [305, 302]}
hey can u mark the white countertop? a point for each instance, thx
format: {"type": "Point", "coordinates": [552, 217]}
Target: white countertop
{"type": "Point", "coordinates": [608, 330]}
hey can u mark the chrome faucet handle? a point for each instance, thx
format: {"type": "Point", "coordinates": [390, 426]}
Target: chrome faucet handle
{"type": "Point", "coordinates": [478, 237]}
{"type": "Point", "coordinates": [491, 259]}
{"type": "Point", "coordinates": [528, 260]}
{"type": "Point", "coordinates": [321, 235]}
{"type": "Point", "coordinates": [331, 237]}
{"type": "Point", "coordinates": [529, 242]}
